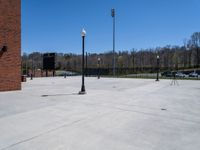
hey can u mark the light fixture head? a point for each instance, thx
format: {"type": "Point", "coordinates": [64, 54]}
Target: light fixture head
{"type": "Point", "coordinates": [4, 48]}
{"type": "Point", "coordinates": [113, 12]}
{"type": "Point", "coordinates": [83, 32]}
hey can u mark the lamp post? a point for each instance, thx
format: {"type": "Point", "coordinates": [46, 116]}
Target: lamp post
{"type": "Point", "coordinates": [113, 16]}
{"type": "Point", "coordinates": [26, 66]}
{"type": "Point", "coordinates": [83, 34]}
{"type": "Point", "coordinates": [86, 64]}
{"type": "Point", "coordinates": [158, 61]}
{"type": "Point", "coordinates": [99, 60]}
{"type": "Point", "coordinates": [32, 69]}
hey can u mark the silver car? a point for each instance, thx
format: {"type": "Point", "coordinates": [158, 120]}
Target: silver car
{"type": "Point", "coordinates": [193, 74]}
{"type": "Point", "coordinates": [180, 74]}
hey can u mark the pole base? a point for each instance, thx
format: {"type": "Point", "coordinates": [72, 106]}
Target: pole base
{"type": "Point", "coordinates": [81, 92]}
{"type": "Point", "coordinates": [157, 79]}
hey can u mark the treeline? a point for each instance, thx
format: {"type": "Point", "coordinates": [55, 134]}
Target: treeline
{"type": "Point", "coordinates": [132, 61]}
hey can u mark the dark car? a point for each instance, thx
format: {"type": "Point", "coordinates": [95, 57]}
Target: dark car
{"type": "Point", "coordinates": [167, 74]}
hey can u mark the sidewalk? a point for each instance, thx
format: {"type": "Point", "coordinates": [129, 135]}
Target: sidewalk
{"type": "Point", "coordinates": [115, 114]}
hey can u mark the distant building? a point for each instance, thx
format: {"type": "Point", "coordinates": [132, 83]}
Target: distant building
{"type": "Point", "coordinates": [10, 45]}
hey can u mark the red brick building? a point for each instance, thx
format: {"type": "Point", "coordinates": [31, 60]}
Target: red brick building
{"type": "Point", "coordinates": [10, 45]}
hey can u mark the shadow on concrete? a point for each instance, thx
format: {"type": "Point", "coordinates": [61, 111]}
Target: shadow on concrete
{"type": "Point", "coordinates": [59, 94]}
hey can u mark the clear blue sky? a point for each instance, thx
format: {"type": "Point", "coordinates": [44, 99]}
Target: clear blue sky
{"type": "Point", "coordinates": [55, 25]}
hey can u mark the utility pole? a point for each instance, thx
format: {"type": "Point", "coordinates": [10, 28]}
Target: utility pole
{"type": "Point", "coordinates": [113, 16]}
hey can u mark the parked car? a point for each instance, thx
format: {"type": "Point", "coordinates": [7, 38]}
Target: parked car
{"type": "Point", "coordinates": [193, 74]}
{"type": "Point", "coordinates": [180, 75]}
{"type": "Point", "coordinates": [65, 73]}
{"type": "Point", "coordinates": [167, 74]}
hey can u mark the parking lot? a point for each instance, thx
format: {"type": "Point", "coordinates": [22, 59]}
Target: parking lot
{"type": "Point", "coordinates": [115, 114]}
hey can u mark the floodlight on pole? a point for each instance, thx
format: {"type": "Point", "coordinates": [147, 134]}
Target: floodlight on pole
{"type": "Point", "coordinates": [113, 16]}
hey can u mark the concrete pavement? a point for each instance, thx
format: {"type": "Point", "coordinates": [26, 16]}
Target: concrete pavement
{"type": "Point", "coordinates": [115, 114]}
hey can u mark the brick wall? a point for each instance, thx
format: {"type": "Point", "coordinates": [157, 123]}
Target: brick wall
{"type": "Point", "coordinates": [10, 35]}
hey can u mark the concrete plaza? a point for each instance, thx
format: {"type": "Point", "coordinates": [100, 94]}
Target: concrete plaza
{"type": "Point", "coordinates": [115, 114]}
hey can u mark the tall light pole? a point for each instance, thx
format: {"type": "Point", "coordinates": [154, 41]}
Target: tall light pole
{"type": "Point", "coordinates": [113, 16]}
{"type": "Point", "coordinates": [158, 68]}
{"type": "Point", "coordinates": [83, 34]}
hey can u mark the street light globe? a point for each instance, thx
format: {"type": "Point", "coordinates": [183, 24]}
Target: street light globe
{"type": "Point", "coordinates": [158, 56]}
{"type": "Point", "coordinates": [83, 32]}
{"type": "Point", "coordinates": [99, 59]}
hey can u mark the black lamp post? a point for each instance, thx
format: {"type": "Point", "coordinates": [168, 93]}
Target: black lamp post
{"type": "Point", "coordinates": [158, 61]}
{"type": "Point", "coordinates": [113, 16]}
{"type": "Point", "coordinates": [86, 64]}
{"type": "Point", "coordinates": [83, 34]}
{"type": "Point", "coordinates": [32, 69]}
{"type": "Point", "coordinates": [99, 60]}
{"type": "Point", "coordinates": [26, 66]}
